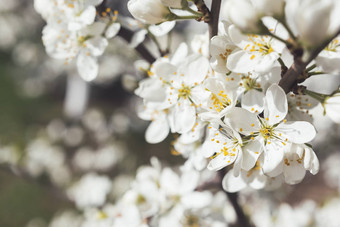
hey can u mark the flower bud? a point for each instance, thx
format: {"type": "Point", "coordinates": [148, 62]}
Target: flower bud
{"type": "Point", "coordinates": [243, 14]}
{"type": "Point", "coordinates": [269, 7]}
{"type": "Point", "coordinates": [312, 20]}
{"type": "Point", "coordinates": [148, 11]}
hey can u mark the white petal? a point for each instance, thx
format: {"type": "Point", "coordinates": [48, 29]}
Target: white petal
{"type": "Point", "coordinates": [196, 70]}
{"type": "Point", "coordinates": [297, 131]}
{"type": "Point", "coordinates": [273, 159]}
{"type": "Point", "coordinates": [151, 89]}
{"type": "Point", "coordinates": [189, 181]}
{"type": "Point", "coordinates": [169, 181]}
{"type": "Point", "coordinates": [253, 101]}
{"type": "Point", "coordinates": [197, 200]}
{"type": "Point", "coordinates": [244, 62]}
{"type": "Point", "coordinates": [221, 161]}
{"type": "Point", "coordinates": [184, 116]}
{"type": "Point", "coordinates": [164, 70]}
{"type": "Point", "coordinates": [238, 162]}
{"type": "Point", "coordinates": [180, 53]}
{"type": "Point", "coordinates": [88, 15]}
{"type": "Point", "coordinates": [251, 153]}
{"type": "Point", "coordinates": [257, 180]}
{"type": "Point", "coordinates": [138, 38]}
{"type": "Point", "coordinates": [242, 120]}
{"type": "Point", "coordinates": [230, 183]}
{"type": "Point", "coordinates": [87, 66]}
{"type": "Point", "coordinates": [158, 130]}
{"type": "Point", "coordinates": [112, 30]}
{"type": "Point", "coordinates": [311, 161]}
{"type": "Point", "coordinates": [97, 45]}
{"type": "Point", "coordinates": [276, 104]}
{"type": "Point", "coordinates": [294, 172]}
{"type": "Point", "coordinates": [163, 28]}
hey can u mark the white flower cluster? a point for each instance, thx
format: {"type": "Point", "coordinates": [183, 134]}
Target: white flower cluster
{"type": "Point", "coordinates": [235, 118]}
{"type": "Point", "coordinates": [226, 100]}
{"type": "Point", "coordinates": [230, 109]}
{"type": "Point", "coordinates": [73, 33]}
{"type": "Point", "coordinates": [157, 197]}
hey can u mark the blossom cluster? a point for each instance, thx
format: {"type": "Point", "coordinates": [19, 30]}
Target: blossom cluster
{"type": "Point", "coordinates": [73, 33]}
{"type": "Point", "coordinates": [223, 96]}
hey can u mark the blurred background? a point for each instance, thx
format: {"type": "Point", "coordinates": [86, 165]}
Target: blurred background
{"type": "Point", "coordinates": [54, 127]}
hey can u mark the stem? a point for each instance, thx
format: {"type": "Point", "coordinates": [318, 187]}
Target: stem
{"type": "Point", "coordinates": [154, 39]}
{"type": "Point", "coordinates": [277, 37]}
{"type": "Point", "coordinates": [141, 49]}
{"type": "Point", "coordinates": [187, 17]}
{"type": "Point", "coordinates": [281, 62]}
{"type": "Point", "coordinates": [311, 67]}
{"type": "Point", "coordinates": [285, 25]}
{"type": "Point", "coordinates": [214, 16]}
{"type": "Point", "coordinates": [193, 11]}
{"type": "Point", "coordinates": [320, 97]}
{"type": "Point", "coordinates": [315, 73]}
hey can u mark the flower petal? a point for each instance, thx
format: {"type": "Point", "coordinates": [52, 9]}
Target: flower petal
{"type": "Point", "coordinates": [230, 183]}
{"type": "Point", "coordinates": [242, 120]}
{"type": "Point", "coordinates": [158, 130]}
{"type": "Point", "coordinates": [297, 131]}
{"type": "Point", "coordinates": [87, 66]}
{"type": "Point", "coordinates": [253, 101]}
{"type": "Point", "coordinates": [251, 153]}
{"type": "Point", "coordinates": [184, 116]}
{"type": "Point", "coordinates": [273, 159]}
{"type": "Point", "coordinates": [112, 30]}
{"type": "Point", "coordinates": [276, 104]}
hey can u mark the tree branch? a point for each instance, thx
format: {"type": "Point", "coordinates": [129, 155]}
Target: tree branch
{"type": "Point", "coordinates": [214, 16]}
{"type": "Point", "coordinates": [289, 79]}
{"type": "Point", "coordinates": [242, 219]}
{"type": "Point", "coordinates": [127, 35]}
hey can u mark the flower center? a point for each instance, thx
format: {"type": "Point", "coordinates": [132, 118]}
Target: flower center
{"type": "Point", "coordinates": [249, 83]}
{"type": "Point", "coordinates": [261, 44]}
{"type": "Point", "coordinates": [220, 101]}
{"type": "Point", "coordinates": [267, 132]}
{"type": "Point", "coordinates": [184, 91]}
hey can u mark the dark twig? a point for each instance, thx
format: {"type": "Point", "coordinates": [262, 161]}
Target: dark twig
{"type": "Point", "coordinates": [127, 35]}
{"type": "Point", "coordinates": [242, 219]}
{"type": "Point", "coordinates": [214, 16]}
{"type": "Point", "coordinates": [289, 80]}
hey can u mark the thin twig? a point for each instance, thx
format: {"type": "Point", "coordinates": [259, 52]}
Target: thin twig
{"type": "Point", "coordinates": [242, 219]}
{"type": "Point", "coordinates": [289, 80]}
{"type": "Point", "coordinates": [127, 35]}
{"type": "Point", "coordinates": [214, 16]}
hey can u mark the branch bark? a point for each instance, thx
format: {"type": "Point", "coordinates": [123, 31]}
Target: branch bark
{"type": "Point", "coordinates": [127, 35]}
{"type": "Point", "coordinates": [289, 79]}
{"type": "Point", "coordinates": [242, 219]}
{"type": "Point", "coordinates": [214, 16]}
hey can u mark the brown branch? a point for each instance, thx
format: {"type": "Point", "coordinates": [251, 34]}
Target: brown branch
{"type": "Point", "coordinates": [214, 16]}
{"type": "Point", "coordinates": [290, 78]}
{"type": "Point", "coordinates": [242, 219]}
{"type": "Point", "coordinates": [127, 35]}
